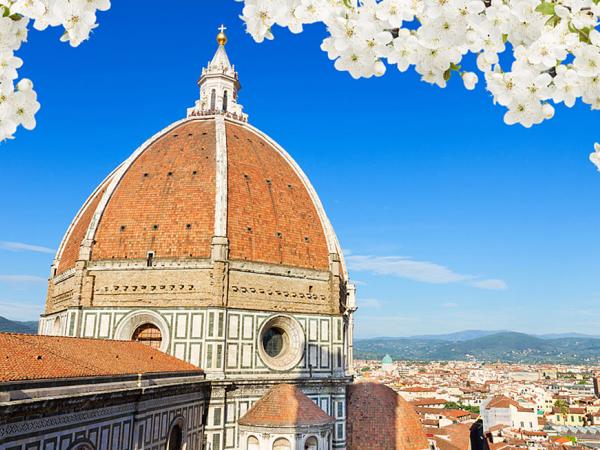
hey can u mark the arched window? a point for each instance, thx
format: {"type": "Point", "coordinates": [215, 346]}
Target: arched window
{"type": "Point", "coordinates": [175, 438]}
{"type": "Point", "coordinates": [56, 327]}
{"type": "Point", "coordinates": [253, 443]}
{"type": "Point", "coordinates": [148, 334]}
{"type": "Point", "coordinates": [213, 99]}
{"type": "Point", "coordinates": [311, 443]}
{"type": "Point", "coordinates": [225, 101]}
{"type": "Point", "coordinates": [82, 444]}
{"type": "Point", "coordinates": [282, 444]}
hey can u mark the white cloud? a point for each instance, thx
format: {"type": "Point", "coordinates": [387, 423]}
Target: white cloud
{"type": "Point", "coordinates": [23, 247]}
{"type": "Point", "coordinates": [369, 303]}
{"type": "Point", "coordinates": [450, 305]}
{"type": "Point", "coordinates": [493, 284]}
{"type": "Point", "coordinates": [22, 279]}
{"type": "Point", "coordinates": [412, 269]}
{"type": "Point", "coordinates": [404, 267]}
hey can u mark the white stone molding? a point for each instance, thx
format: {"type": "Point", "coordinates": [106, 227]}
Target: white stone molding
{"type": "Point", "coordinates": [221, 178]}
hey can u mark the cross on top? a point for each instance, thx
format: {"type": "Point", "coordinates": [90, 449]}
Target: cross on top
{"type": "Point", "coordinates": [222, 28]}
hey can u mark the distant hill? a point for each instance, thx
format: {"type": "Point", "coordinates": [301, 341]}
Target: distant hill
{"type": "Point", "coordinates": [504, 346]}
{"type": "Point", "coordinates": [13, 326]}
{"type": "Point", "coordinates": [458, 335]}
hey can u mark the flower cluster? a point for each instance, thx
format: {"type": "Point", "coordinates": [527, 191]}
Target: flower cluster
{"type": "Point", "coordinates": [18, 103]}
{"type": "Point", "coordinates": [531, 53]}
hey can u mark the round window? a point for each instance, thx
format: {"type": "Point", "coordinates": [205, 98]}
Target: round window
{"type": "Point", "coordinates": [281, 342]}
{"type": "Point", "coordinates": [273, 341]}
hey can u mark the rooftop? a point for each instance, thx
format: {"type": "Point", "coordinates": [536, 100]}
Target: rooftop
{"type": "Point", "coordinates": [32, 357]}
{"type": "Point", "coordinates": [285, 405]}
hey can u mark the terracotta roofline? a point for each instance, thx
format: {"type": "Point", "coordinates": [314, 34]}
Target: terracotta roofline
{"type": "Point", "coordinates": [97, 379]}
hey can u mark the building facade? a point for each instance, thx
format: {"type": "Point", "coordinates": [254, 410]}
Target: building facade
{"type": "Point", "coordinates": [210, 244]}
{"type": "Point", "coordinates": [199, 300]}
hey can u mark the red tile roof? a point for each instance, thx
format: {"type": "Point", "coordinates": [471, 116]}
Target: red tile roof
{"type": "Point", "coordinates": [428, 401]}
{"type": "Point", "coordinates": [456, 437]}
{"type": "Point", "coordinates": [31, 357]}
{"type": "Point", "coordinates": [165, 202]}
{"type": "Point", "coordinates": [285, 405]}
{"type": "Point", "coordinates": [380, 419]}
{"type": "Point", "coordinates": [501, 401]}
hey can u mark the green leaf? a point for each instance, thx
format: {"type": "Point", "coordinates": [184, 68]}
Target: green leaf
{"type": "Point", "coordinates": [546, 8]}
{"type": "Point", "coordinates": [505, 37]}
{"type": "Point", "coordinates": [347, 3]}
{"type": "Point", "coordinates": [554, 20]}
{"type": "Point", "coordinates": [454, 67]}
{"type": "Point", "coordinates": [447, 74]}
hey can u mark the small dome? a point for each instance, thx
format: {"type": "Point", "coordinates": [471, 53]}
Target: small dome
{"type": "Point", "coordinates": [387, 359]}
{"type": "Point", "coordinates": [285, 405]}
{"type": "Point", "coordinates": [379, 419]}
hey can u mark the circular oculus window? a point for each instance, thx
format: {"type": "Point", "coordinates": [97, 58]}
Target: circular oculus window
{"type": "Point", "coordinates": [281, 342]}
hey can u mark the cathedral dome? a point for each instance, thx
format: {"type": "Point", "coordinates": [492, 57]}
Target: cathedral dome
{"type": "Point", "coordinates": [208, 212]}
{"type": "Point", "coordinates": [199, 178]}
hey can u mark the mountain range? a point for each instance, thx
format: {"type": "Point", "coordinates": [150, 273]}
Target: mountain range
{"type": "Point", "coordinates": [506, 346]}
{"type": "Point", "coordinates": [14, 326]}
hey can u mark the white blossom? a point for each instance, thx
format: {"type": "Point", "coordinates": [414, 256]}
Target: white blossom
{"type": "Point", "coordinates": [553, 45]}
{"type": "Point", "coordinates": [470, 80]}
{"type": "Point", "coordinates": [77, 17]}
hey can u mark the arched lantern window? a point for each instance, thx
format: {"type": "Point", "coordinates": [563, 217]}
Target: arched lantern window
{"type": "Point", "coordinates": [225, 101]}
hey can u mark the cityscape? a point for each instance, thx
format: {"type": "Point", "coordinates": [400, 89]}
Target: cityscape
{"type": "Point", "coordinates": [511, 406]}
{"type": "Point", "coordinates": [387, 240]}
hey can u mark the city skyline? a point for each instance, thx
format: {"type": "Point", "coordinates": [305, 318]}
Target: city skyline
{"type": "Point", "coordinates": [443, 228]}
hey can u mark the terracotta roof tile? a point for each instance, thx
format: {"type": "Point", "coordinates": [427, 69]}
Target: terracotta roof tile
{"type": "Point", "coordinates": [501, 401]}
{"type": "Point", "coordinates": [169, 186]}
{"type": "Point", "coordinates": [165, 202]}
{"type": "Point", "coordinates": [31, 357]}
{"type": "Point", "coordinates": [379, 419]}
{"type": "Point", "coordinates": [285, 405]}
{"type": "Point", "coordinates": [267, 197]}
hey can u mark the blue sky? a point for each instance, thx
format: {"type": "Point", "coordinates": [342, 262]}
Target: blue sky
{"type": "Point", "coordinates": [450, 219]}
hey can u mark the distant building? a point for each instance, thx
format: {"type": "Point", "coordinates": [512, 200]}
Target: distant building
{"type": "Point", "coordinates": [501, 410]}
{"type": "Point", "coordinates": [417, 392]}
{"type": "Point", "coordinates": [387, 364]}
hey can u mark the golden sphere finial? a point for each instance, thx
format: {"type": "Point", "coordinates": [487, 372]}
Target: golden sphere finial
{"type": "Point", "coordinates": [221, 38]}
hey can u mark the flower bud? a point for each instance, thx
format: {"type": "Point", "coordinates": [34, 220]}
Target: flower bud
{"type": "Point", "coordinates": [470, 79]}
{"type": "Point", "coordinates": [25, 85]}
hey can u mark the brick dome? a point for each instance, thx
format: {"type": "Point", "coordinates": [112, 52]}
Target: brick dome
{"type": "Point", "coordinates": [199, 178]}
{"type": "Point", "coordinates": [379, 419]}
